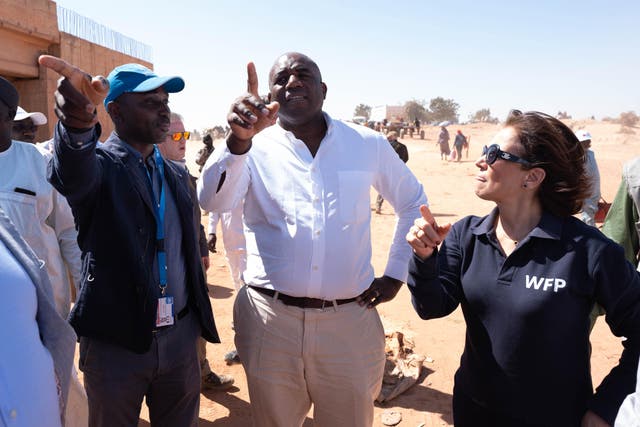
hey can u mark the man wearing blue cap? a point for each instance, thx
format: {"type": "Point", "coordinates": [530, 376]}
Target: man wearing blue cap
{"type": "Point", "coordinates": [143, 299]}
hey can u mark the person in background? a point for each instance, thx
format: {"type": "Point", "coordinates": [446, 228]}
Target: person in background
{"type": "Point", "coordinates": [443, 143]}
{"type": "Point", "coordinates": [25, 125]}
{"type": "Point", "coordinates": [204, 152]}
{"type": "Point", "coordinates": [44, 219]}
{"type": "Point", "coordinates": [233, 241]}
{"type": "Point", "coordinates": [306, 329]}
{"type": "Point", "coordinates": [37, 210]}
{"type": "Point", "coordinates": [143, 298]}
{"type": "Point", "coordinates": [174, 149]}
{"type": "Point", "coordinates": [403, 153]}
{"type": "Point", "coordinates": [38, 344]}
{"type": "Point", "coordinates": [590, 204]}
{"type": "Point", "coordinates": [622, 225]}
{"type": "Point", "coordinates": [459, 143]}
{"type": "Point", "coordinates": [527, 277]}
{"type": "Point", "coordinates": [201, 159]}
{"type": "Point", "coordinates": [235, 252]}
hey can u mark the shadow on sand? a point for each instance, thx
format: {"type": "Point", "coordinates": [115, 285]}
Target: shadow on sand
{"type": "Point", "coordinates": [220, 292]}
{"type": "Point", "coordinates": [422, 398]}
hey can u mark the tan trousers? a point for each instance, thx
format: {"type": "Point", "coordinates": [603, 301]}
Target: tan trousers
{"type": "Point", "coordinates": [293, 357]}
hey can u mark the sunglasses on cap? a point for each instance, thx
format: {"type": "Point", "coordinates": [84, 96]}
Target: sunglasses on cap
{"type": "Point", "coordinates": [493, 153]}
{"type": "Point", "coordinates": [177, 136]}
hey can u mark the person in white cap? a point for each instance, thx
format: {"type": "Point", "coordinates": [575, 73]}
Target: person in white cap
{"type": "Point", "coordinates": [590, 205]}
{"type": "Point", "coordinates": [25, 125]}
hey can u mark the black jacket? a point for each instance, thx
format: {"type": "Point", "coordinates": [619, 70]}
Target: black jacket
{"type": "Point", "coordinates": [116, 225]}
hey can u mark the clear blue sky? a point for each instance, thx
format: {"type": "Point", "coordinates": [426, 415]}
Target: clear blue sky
{"type": "Point", "coordinates": [582, 57]}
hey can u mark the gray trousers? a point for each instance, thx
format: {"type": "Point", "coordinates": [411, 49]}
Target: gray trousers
{"type": "Point", "coordinates": [168, 375]}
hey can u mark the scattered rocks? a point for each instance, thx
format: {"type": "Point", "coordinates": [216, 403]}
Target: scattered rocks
{"type": "Point", "coordinates": [391, 418]}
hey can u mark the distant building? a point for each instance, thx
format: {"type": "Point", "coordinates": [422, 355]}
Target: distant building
{"type": "Point", "coordinates": [392, 113]}
{"type": "Point", "coordinates": [29, 28]}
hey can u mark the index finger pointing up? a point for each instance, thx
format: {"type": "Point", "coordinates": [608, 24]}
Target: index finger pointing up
{"type": "Point", "coordinates": [427, 215]}
{"type": "Point", "coordinates": [252, 79]}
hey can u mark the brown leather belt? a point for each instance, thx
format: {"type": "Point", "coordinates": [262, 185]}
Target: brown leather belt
{"type": "Point", "coordinates": [302, 302]}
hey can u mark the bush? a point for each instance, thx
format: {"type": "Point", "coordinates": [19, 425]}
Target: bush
{"type": "Point", "coordinates": [629, 119]}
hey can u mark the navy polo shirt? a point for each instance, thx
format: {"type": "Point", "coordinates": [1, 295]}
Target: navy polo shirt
{"type": "Point", "coordinates": [527, 351]}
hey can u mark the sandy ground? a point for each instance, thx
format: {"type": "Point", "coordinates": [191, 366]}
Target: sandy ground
{"type": "Point", "coordinates": [449, 188]}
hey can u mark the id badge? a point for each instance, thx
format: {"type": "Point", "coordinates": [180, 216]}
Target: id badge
{"type": "Point", "coordinates": [165, 312]}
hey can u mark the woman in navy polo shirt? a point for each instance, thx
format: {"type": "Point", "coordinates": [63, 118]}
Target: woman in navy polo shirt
{"type": "Point", "coordinates": [527, 276]}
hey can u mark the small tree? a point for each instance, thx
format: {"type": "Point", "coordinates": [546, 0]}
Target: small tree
{"type": "Point", "coordinates": [483, 115]}
{"type": "Point", "coordinates": [415, 109]}
{"type": "Point", "coordinates": [363, 110]}
{"type": "Point", "coordinates": [629, 119]}
{"type": "Point", "coordinates": [441, 109]}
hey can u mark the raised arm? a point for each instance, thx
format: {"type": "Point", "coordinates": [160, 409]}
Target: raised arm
{"type": "Point", "coordinates": [248, 115]}
{"type": "Point", "coordinates": [224, 178]}
{"type": "Point", "coordinates": [74, 168]}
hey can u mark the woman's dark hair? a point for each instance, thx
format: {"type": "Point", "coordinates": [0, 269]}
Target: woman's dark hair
{"type": "Point", "coordinates": [549, 144]}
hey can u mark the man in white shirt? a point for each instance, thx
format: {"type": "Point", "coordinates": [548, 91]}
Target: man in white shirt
{"type": "Point", "coordinates": [25, 125]}
{"type": "Point", "coordinates": [232, 239]}
{"type": "Point", "coordinates": [43, 218]}
{"type": "Point", "coordinates": [306, 328]}
{"type": "Point", "coordinates": [590, 204]}
{"type": "Point", "coordinates": [40, 213]}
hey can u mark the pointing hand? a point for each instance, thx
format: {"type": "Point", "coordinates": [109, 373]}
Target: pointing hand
{"type": "Point", "coordinates": [77, 95]}
{"type": "Point", "coordinates": [249, 114]}
{"type": "Point", "coordinates": [425, 235]}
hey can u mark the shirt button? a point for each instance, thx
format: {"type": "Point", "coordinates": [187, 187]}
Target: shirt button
{"type": "Point", "coordinates": [316, 199]}
{"type": "Point", "coordinates": [13, 413]}
{"type": "Point", "coordinates": [317, 232]}
{"type": "Point", "coordinates": [315, 268]}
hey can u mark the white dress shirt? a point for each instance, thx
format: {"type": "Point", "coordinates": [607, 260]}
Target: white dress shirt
{"type": "Point", "coordinates": [42, 216]}
{"type": "Point", "coordinates": [307, 219]}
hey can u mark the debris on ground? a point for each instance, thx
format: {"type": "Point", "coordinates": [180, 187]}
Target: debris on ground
{"type": "Point", "coordinates": [402, 367]}
{"type": "Point", "coordinates": [391, 418]}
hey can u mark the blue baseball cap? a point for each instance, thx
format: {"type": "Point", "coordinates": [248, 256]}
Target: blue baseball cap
{"type": "Point", "coordinates": [138, 78]}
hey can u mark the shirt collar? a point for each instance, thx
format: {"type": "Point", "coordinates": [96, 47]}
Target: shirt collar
{"type": "Point", "coordinates": [291, 137]}
{"type": "Point", "coordinates": [549, 227]}
{"type": "Point", "coordinates": [116, 144]}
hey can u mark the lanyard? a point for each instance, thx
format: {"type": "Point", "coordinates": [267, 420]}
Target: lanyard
{"type": "Point", "coordinates": [159, 207]}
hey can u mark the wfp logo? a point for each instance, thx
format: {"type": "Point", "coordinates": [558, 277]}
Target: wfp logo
{"type": "Point", "coordinates": [544, 283]}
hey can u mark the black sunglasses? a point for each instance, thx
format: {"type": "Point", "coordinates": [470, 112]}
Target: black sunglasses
{"type": "Point", "coordinates": [493, 152]}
